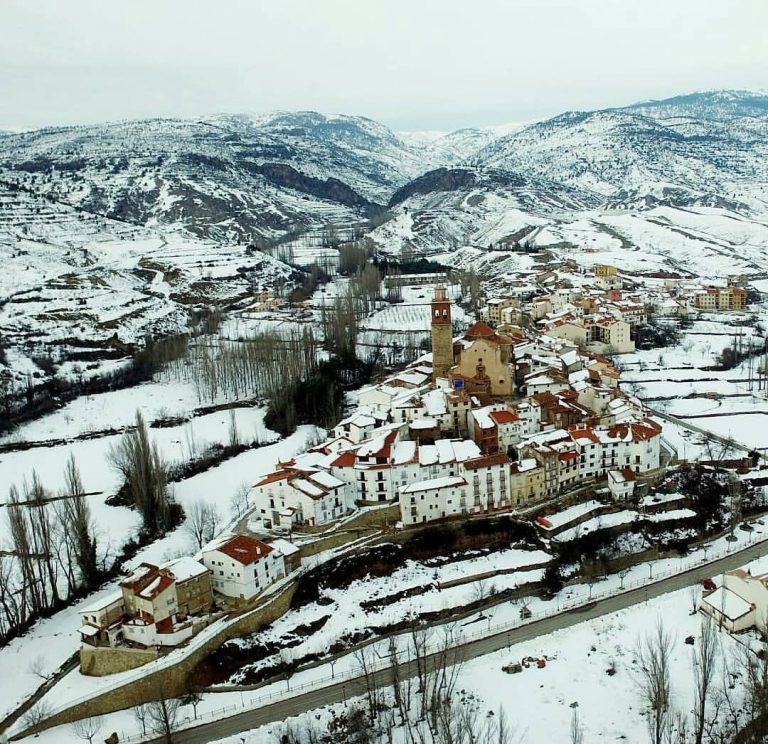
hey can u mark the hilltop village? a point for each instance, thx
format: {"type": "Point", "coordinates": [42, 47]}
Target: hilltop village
{"type": "Point", "coordinates": [519, 413]}
{"type": "Point", "coordinates": [506, 417]}
{"type": "Point", "coordinates": [496, 419]}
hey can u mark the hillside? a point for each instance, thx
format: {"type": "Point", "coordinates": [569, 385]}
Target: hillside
{"type": "Point", "coordinates": [113, 232]}
{"type": "Point", "coordinates": [80, 292]}
{"type": "Point", "coordinates": [580, 172]}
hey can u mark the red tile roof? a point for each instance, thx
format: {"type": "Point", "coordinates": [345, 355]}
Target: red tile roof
{"type": "Point", "coordinates": [483, 462]}
{"type": "Point", "coordinates": [278, 475]}
{"type": "Point", "coordinates": [483, 330]}
{"type": "Point", "coordinates": [628, 474]}
{"type": "Point", "coordinates": [245, 549]}
{"type": "Point", "coordinates": [504, 417]}
{"type": "Point", "coordinates": [584, 434]}
{"type": "Point", "coordinates": [480, 330]}
{"type": "Point", "coordinates": [344, 460]}
{"type": "Point", "coordinates": [158, 586]}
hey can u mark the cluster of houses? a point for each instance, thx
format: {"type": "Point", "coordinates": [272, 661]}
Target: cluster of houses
{"type": "Point", "coordinates": [160, 606]}
{"type": "Point", "coordinates": [497, 419]}
{"type": "Point", "coordinates": [602, 316]}
{"type": "Point", "coordinates": [521, 408]}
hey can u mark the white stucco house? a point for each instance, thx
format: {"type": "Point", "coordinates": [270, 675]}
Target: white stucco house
{"type": "Point", "coordinates": [242, 566]}
{"type": "Point", "coordinates": [740, 602]}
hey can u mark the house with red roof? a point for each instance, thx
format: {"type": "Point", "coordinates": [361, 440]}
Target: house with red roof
{"type": "Point", "coordinates": [156, 606]}
{"type": "Point", "coordinates": [242, 566]}
{"type": "Point", "coordinates": [298, 493]}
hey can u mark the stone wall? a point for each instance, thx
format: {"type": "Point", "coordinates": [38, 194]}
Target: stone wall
{"type": "Point", "coordinates": [104, 660]}
{"type": "Point", "coordinates": [171, 681]}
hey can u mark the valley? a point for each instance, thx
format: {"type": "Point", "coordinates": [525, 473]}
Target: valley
{"type": "Point", "coordinates": [263, 289]}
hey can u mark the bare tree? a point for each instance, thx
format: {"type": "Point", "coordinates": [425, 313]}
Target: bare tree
{"type": "Point", "coordinates": [145, 473]}
{"type": "Point", "coordinates": [202, 521]}
{"type": "Point", "coordinates": [37, 666]}
{"type": "Point", "coordinates": [480, 591]}
{"type": "Point", "coordinates": [653, 653]}
{"type": "Point", "coordinates": [38, 713]}
{"type": "Point", "coordinates": [234, 434]}
{"type": "Point", "coordinates": [754, 670]}
{"type": "Point", "coordinates": [239, 502]}
{"type": "Point", "coordinates": [140, 714]}
{"type": "Point", "coordinates": [76, 513]}
{"type": "Point", "coordinates": [704, 662]}
{"type": "Point", "coordinates": [194, 699]}
{"type": "Point", "coordinates": [161, 716]}
{"type": "Point", "coordinates": [86, 729]}
{"type": "Point", "coordinates": [577, 730]}
{"type": "Point", "coordinates": [622, 574]}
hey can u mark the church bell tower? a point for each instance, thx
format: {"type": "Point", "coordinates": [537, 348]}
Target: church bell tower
{"type": "Point", "coordinates": [442, 334]}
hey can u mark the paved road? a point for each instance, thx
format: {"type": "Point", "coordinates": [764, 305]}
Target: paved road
{"type": "Point", "coordinates": [305, 701]}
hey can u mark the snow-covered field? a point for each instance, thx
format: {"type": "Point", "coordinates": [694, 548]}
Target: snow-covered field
{"type": "Point", "coordinates": [51, 641]}
{"type": "Point", "coordinates": [680, 381]}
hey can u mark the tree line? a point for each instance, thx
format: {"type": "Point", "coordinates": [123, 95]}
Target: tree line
{"type": "Point", "coordinates": [52, 554]}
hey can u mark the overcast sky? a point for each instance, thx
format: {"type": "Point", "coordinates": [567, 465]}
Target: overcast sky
{"type": "Point", "coordinates": [412, 64]}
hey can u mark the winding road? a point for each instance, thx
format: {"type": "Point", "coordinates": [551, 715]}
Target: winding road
{"type": "Point", "coordinates": [336, 693]}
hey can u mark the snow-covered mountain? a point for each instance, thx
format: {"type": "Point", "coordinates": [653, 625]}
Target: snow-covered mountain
{"type": "Point", "coordinates": [132, 221]}
{"type": "Point", "coordinates": [704, 150]}
{"type": "Point", "coordinates": [218, 177]}
{"type": "Point", "coordinates": [664, 151]}
{"type": "Point", "coordinates": [289, 172]}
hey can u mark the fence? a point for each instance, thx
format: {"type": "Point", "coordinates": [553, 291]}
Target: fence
{"type": "Point", "coordinates": [464, 637]}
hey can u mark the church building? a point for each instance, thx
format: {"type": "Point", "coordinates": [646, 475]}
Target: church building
{"type": "Point", "coordinates": [480, 363]}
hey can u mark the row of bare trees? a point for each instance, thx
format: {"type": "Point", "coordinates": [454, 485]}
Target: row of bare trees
{"type": "Point", "coordinates": [52, 554]}
{"type": "Point", "coordinates": [252, 366]}
{"type": "Point", "coordinates": [730, 692]}
{"type": "Point", "coordinates": [414, 699]}
{"type": "Point", "coordinates": [340, 320]}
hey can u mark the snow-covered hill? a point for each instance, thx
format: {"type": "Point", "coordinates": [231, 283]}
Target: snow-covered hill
{"type": "Point", "coordinates": [78, 291]}
{"type": "Point", "coordinates": [706, 151]}
{"type": "Point", "coordinates": [221, 176]}
{"type": "Point", "coordinates": [155, 215]}
{"type": "Point", "coordinates": [703, 146]}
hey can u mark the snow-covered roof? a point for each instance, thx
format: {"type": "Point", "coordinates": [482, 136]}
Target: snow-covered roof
{"type": "Point", "coordinates": [326, 479]}
{"type": "Point", "coordinates": [403, 452]}
{"type": "Point", "coordinates": [155, 587]}
{"type": "Point", "coordinates": [427, 485]}
{"type": "Point", "coordinates": [88, 631]}
{"type": "Point", "coordinates": [186, 568]}
{"type": "Point", "coordinates": [526, 464]}
{"type": "Point", "coordinates": [434, 402]}
{"type": "Point", "coordinates": [101, 604]}
{"type": "Point", "coordinates": [423, 423]}
{"type": "Point", "coordinates": [728, 603]}
{"type": "Point", "coordinates": [483, 418]}
{"type": "Point", "coordinates": [307, 487]}
{"type": "Point", "coordinates": [412, 378]}
{"type": "Point", "coordinates": [283, 546]}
